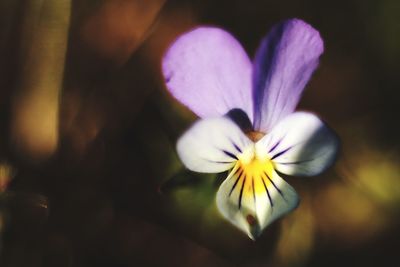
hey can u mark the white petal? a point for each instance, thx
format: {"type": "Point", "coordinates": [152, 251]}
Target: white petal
{"type": "Point", "coordinates": [212, 145]}
{"type": "Point", "coordinates": [251, 203]}
{"type": "Point", "coordinates": [301, 144]}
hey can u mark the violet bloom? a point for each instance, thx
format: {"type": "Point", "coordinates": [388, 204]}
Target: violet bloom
{"type": "Point", "coordinates": [207, 70]}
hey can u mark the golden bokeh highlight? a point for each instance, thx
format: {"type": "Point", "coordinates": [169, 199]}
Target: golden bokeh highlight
{"type": "Point", "coordinates": [44, 39]}
{"type": "Point", "coordinates": [297, 236]}
{"type": "Point", "coordinates": [7, 173]}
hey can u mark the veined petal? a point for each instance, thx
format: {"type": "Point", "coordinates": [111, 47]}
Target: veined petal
{"type": "Point", "coordinates": [207, 70]}
{"type": "Point", "coordinates": [212, 145]}
{"type": "Point", "coordinates": [253, 196]}
{"type": "Point", "coordinates": [284, 62]}
{"type": "Point", "coordinates": [301, 144]}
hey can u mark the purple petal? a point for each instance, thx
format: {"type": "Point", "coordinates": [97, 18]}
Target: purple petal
{"type": "Point", "coordinates": [207, 70]}
{"type": "Point", "coordinates": [287, 57]}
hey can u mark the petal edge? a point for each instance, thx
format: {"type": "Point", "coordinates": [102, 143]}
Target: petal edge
{"type": "Point", "coordinates": [208, 71]}
{"type": "Point", "coordinates": [252, 213]}
{"type": "Point", "coordinates": [283, 64]}
{"type": "Point", "coordinates": [301, 145]}
{"type": "Point", "coordinates": [212, 145]}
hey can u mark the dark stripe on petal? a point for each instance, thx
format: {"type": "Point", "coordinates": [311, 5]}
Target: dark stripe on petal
{"type": "Point", "coordinates": [229, 154]}
{"type": "Point", "coordinates": [241, 192]}
{"type": "Point", "coordinates": [266, 190]}
{"type": "Point", "coordinates": [221, 162]}
{"type": "Point", "coordinates": [254, 191]}
{"type": "Point", "coordinates": [237, 147]}
{"type": "Point", "coordinates": [217, 161]}
{"type": "Point", "coordinates": [295, 162]}
{"type": "Point", "coordinates": [281, 153]}
{"type": "Point", "coordinates": [272, 182]}
{"type": "Point", "coordinates": [286, 150]}
{"type": "Point", "coordinates": [237, 180]}
{"type": "Point", "coordinates": [277, 144]}
{"type": "Point", "coordinates": [269, 141]}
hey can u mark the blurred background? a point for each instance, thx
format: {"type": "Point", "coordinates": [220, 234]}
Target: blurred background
{"type": "Point", "coordinates": [88, 171]}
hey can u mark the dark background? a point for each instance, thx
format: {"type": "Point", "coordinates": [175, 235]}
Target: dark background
{"type": "Point", "coordinates": [100, 184]}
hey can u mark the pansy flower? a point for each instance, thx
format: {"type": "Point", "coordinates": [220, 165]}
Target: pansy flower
{"type": "Point", "coordinates": [207, 70]}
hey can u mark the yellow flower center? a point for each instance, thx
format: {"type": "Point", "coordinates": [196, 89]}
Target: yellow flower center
{"type": "Point", "coordinates": [252, 175]}
{"type": "Point", "coordinates": [259, 173]}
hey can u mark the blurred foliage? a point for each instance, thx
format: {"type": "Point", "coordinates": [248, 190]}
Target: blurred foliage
{"type": "Point", "coordinates": [109, 190]}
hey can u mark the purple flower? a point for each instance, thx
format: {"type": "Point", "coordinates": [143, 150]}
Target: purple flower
{"type": "Point", "coordinates": [207, 70]}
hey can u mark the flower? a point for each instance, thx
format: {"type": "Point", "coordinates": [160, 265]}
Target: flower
{"type": "Point", "coordinates": [207, 70]}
